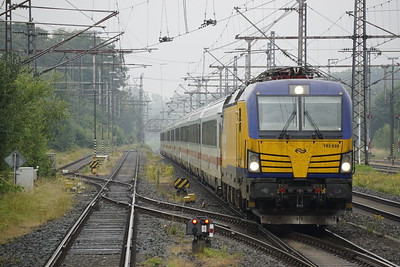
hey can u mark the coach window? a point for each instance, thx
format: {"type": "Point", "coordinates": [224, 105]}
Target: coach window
{"type": "Point", "coordinates": [177, 134]}
{"type": "Point", "coordinates": [193, 133]}
{"type": "Point", "coordinates": [197, 133]}
{"type": "Point", "coordinates": [209, 133]}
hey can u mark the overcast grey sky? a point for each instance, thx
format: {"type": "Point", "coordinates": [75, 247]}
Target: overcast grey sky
{"type": "Point", "coordinates": [144, 21]}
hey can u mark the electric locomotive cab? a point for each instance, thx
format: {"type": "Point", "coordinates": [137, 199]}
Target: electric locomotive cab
{"type": "Point", "coordinates": [294, 154]}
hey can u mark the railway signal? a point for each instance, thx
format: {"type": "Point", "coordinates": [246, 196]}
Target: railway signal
{"type": "Point", "coordinates": [202, 229]}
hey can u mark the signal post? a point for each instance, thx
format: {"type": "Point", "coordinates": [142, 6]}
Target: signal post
{"type": "Point", "coordinates": [202, 229]}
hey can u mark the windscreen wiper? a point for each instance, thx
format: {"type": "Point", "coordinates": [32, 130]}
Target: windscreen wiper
{"type": "Point", "coordinates": [314, 125]}
{"type": "Point", "coordinates": [282, 134]}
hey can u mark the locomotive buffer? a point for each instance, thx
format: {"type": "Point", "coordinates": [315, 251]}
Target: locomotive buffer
{"type": "Point", "coordinates": [202, 229]}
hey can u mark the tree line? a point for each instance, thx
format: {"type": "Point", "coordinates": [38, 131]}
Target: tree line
{"type": "Point", "coordinates": [55, 111]}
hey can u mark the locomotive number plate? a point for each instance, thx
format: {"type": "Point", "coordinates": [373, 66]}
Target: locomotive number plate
{"type": "Point", "coordinates": [331, 145]}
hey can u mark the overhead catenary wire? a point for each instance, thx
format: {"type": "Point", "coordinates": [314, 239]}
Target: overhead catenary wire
{"type": "Point", "coordinates": [45, 51]}
{"type": "Point", "coordinates": [73, 9]}
{"type": "Point", "coordinates": [80, 10]}
{"type": "Point", "coordinates": [381, 4]}
{"type": "Point", "coordinates": [200, 28]}
{"type": "Point", "coordinates": [13, 7]}
{"type": "Point", "coordinates": [263, 29]}
{"type": "Point", "coordinates": [102, 44]}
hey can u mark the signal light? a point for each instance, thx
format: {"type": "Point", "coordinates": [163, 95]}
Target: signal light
{"type": "Point", "coordinates": [206, 221]}
{"type": "Point", "coordinates": [194, 221]}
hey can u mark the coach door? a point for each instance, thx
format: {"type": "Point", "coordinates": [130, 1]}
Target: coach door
{"type": "Point", "coordinates": [239, 138]}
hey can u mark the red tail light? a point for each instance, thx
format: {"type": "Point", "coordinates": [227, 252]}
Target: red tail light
{"type": "Point", "coordinates": [281, 190]}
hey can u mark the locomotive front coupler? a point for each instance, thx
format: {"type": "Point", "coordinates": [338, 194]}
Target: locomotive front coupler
{"type": "Point", "coordinates": [300, 198]}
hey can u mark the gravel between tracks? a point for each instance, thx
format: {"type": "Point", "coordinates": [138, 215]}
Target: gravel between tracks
{"type": "Point", "coordinates": [379, 236]}
{"type": "Point", "coordinates": [153, 240]}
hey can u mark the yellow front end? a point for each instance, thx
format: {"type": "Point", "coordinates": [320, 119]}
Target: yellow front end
{"type": "Point", "coordinates": [299, 181]}
{"type": "Point", "coordinates": [300, 157]}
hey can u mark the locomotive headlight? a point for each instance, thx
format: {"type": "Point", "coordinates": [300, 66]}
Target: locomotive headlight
{"type": "Point", "coordinates": [299, 89]}
{"type": "Point", "coordinates": [346, 163]}
{"type": "Point", "coordinates": [253, 162]}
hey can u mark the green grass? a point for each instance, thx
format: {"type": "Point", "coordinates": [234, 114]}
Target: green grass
{"type": "Point", "coordinates": [366, 176]}
{"type": "Point", "coordinates": [215, 257]}
{"type": "Point", "coordinates": [20, 212]}
{"type": "Point", "coordinates": [211, 257]}
{"type": "Point", "coordinates": [155, 261]}
{"type": "Point", "coordinates": [161, 175]}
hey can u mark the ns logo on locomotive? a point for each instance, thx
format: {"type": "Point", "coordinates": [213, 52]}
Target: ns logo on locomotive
{"type": "Point", "coordinates": [280, 148]}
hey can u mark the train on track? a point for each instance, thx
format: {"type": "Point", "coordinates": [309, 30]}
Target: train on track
{"type": "Point", "coordinates": [279, 148]}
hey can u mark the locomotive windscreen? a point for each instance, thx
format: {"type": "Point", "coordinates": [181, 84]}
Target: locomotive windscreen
{"type": "Point", "coordinates": [324, 111]}
{"type": "Point", "coordinates": [300, 113]}
{"type": "Point", "coordinates": [276, 112]}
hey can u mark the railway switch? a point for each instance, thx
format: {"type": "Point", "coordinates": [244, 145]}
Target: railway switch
{"type": "Point", "coordinates": [202, 229]}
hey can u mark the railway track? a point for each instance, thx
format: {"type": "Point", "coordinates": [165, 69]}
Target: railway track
{"type": "Point", "coordinates": [311, 251]}
{"type": "Point", "coordinates": [102, 235]}
{"type": "Point", "coordinates": [226, 231]}
{"type": "Point", "coordinates": [300, 249]}
{"type": "Point", "coordinates": [75, 165]}
{"type": "Point", "coordinates": [385, 166]}
{"type": "Point", "coordinates": [324, 248]}
{"type": "Point", "coordinates": [376, 205]}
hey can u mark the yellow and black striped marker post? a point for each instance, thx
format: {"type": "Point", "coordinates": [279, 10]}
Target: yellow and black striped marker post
{"type": "Point", "coordinates": [181, 183]}
{"type": "Point", "coordinates": [93, 166]}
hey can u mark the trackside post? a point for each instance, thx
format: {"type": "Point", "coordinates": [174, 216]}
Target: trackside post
{"type": "Point", "coordinates": [202, 229]}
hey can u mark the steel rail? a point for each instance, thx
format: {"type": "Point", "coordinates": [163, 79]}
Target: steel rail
{"type": "Point", "coordinates": [202, 212]}
{"type": "Point", "coordinates": [65, 244]}
{"type": "Point", "coordinates": [74, 162]}
{"type": "Point", "coordinates": [378, 199]}
{"type": "Point", "coordinates": [373, 210]}
{"type": "Point", "coordinates": [340, 250]}
{"type": "Point", "coordinates": [128, 248]}
{"type": "Point", "coordinates": [88, 177]}
{"type": "Point", "coordinates": [385, 167]}
{"type": "Point", "coordinates": [353, 246]}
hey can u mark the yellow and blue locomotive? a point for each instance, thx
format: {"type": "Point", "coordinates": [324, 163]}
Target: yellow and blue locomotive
{"type": "Point", "coordinates": [281, 148]}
